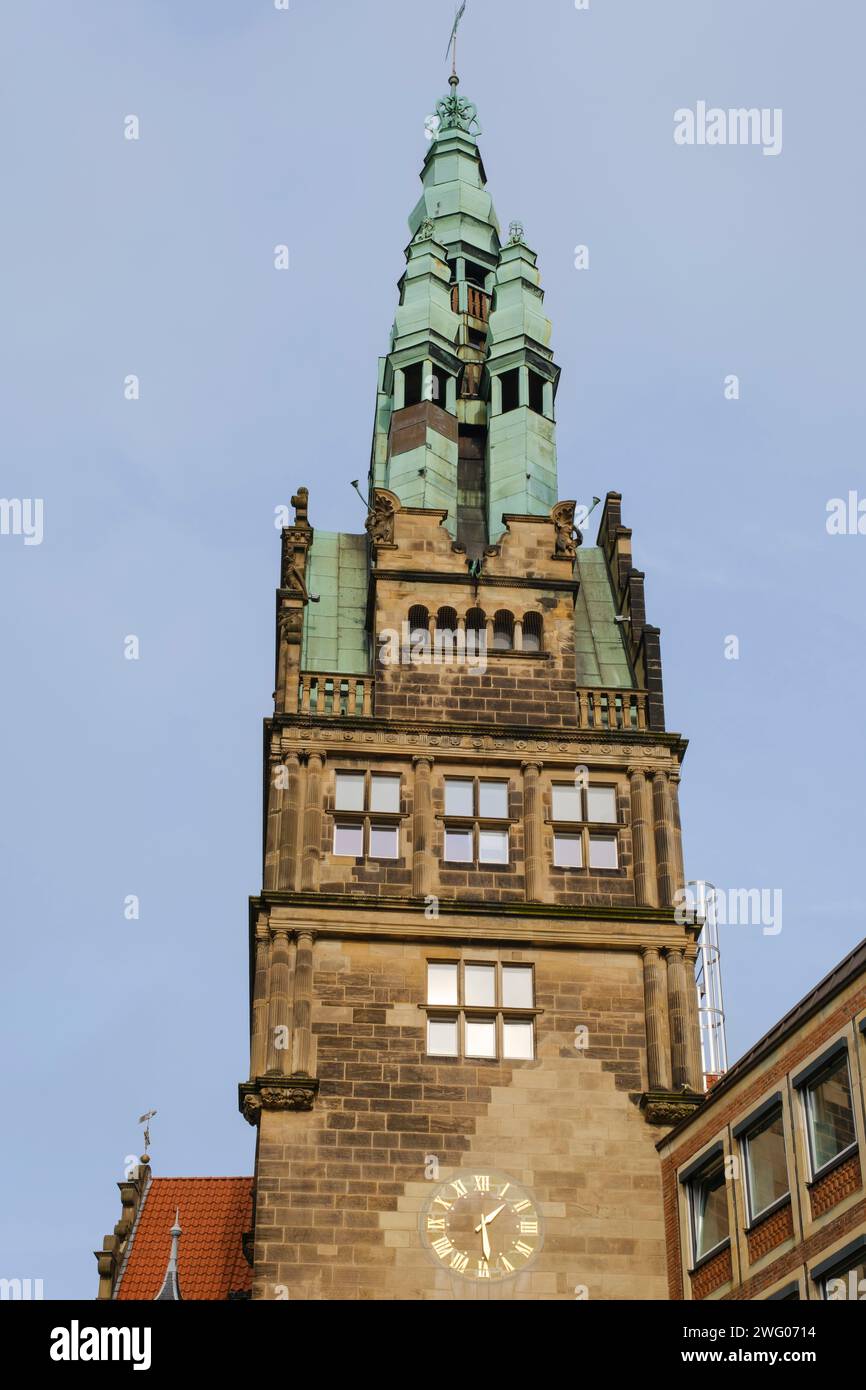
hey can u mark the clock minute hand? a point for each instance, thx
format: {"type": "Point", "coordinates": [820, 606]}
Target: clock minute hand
{"type": "Point", "coordinates": [485, 1241]}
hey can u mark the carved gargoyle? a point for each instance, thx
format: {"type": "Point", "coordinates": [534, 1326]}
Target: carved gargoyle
{"type": "Point", "coordinates": [380, 518]}
{"type": "Point", "coordinates": [567, 537]}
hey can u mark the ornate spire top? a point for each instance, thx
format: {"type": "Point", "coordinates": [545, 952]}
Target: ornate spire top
{"type": "Point", "coordinates": [516, 234]}
{"type": "Point", "coordinates": [456, 113]}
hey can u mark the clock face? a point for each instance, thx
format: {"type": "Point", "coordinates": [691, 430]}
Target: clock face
{"type": "Point", "coordinates": [482, 1225]}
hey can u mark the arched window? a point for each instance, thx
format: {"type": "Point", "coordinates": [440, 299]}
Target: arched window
{"type": "Point", "coordinates": [446, 630]}
{"type": "Point", "coordinates": [532, 631]}
{"type": "Point", "coordinates": [503, 631]}
{"type": "Point", "coordinates": [419, 627]}
{"type": "Point", "coordinates": [476, 631]}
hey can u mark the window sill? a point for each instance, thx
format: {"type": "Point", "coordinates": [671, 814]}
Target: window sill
{"type": "Point", "coordinates": [779, 1205]}
{"type": "Point", "coordinates": [510, 1014]}
{"type": "Point", "coordinates": [834, 1163]}
{"type": "Point", "coordinates": [710, 1255]}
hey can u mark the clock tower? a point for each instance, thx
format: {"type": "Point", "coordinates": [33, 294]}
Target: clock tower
{"type": "Point", "coordinates": [472, 1004]}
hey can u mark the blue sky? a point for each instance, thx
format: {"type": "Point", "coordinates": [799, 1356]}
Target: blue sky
{"type": "Point", "coordinates": [155, 257]}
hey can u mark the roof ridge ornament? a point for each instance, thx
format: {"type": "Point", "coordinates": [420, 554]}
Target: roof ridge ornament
{"type": "Point", "coordinates": [516, 234]}
{"type": "Point", "coordinates": [456, 113]}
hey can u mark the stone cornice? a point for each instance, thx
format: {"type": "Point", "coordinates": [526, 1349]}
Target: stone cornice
{"type": "Point", "coordinates": [503, 581]}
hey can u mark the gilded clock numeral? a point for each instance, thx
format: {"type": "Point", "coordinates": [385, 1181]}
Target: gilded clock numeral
{"type": "Point", "coordinates": [482, 1183]}
{"type": "Point", "coordinates": [506, 1265]}
{"type": "Point", "coordinates": [443, 1247]}
{"type": "Point", "coordinates": [435, 1223]}
{"type": "Point", "coordinates": [522, 1206]}
{"type": "Point", "coordinates": [483, 1269]}
{"type": "Point", "coordinates": [461, 1190]}
{"type": "Point", "coordinates": [505, 1189]}
{"type": "Point", "coordinates": [441, 1202]}
{"type": "Point", "coordinates": [459, 1262]}
{"type": "Point", "coordinates": [522, 1248]}
{"type": "Point", "coordinates": [529, 1228]}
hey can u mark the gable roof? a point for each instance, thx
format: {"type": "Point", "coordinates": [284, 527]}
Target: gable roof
{"type": "Point", "coordinates": [214, 1214]}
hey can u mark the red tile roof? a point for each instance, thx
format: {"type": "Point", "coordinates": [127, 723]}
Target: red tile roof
{"type": "Point", "coordinates": [214, 1213]}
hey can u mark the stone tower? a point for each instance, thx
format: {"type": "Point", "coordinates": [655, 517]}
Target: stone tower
{"type": "Point", "coordinates": [472, 1005]}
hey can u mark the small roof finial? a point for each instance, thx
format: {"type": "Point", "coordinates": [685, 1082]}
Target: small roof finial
{"type": "Point", "coordinates": [145, 1120]}
{"type": "Point", "coordinates": [170, 1290]}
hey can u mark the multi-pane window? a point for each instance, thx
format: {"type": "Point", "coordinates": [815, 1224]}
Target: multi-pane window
{"type": "Point", "coordinates": [829, 1113]}
{"type": "Point", "coordinates": [765, 1163]}
{"type": "Point", "coordinates": [367, 815]}
{"type": "Point", "coordinates": [480, 1009]}
{"type": "Point", "coordinates": [580, 815]}
{"type": "Point", "coordinates": [708, 1209]}
{"type": "Point", "coordinates": [476, 821]}
{"type": "Point", "coordinates": [846, 1280]}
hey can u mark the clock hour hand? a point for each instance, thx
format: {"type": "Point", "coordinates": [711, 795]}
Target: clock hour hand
{"type": "Point", "coordinates": [485, 1220]}
{"type": "Point", "coordinates": [485, 1241]}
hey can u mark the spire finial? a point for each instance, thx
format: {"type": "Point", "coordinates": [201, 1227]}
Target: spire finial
{"type": "Point", "coordinates": [452, 42]}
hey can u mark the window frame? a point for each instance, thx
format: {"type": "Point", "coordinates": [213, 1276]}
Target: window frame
{"type": "Point", "coordinates": [499, 1012]}
{"type": "Point", "coordinates": [812, 1078]}
{"type": "Point", "coordinates": [761, 1120]}
{"type": "Point", "coordinates": [367, 818]}
{"type": "Point", "coordinates": [688, 1179]}
{"type": "Point", "coordinates": [475, 824]}
{"type": "Point", "coordinates": [586, 830]}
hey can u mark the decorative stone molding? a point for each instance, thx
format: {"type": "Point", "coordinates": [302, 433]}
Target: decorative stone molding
{"type": "Point", "coordinates": [567, 537]}
{"type": "Point", "coordinates": [380, 519]}
{"type": "Point", "coordinates": [110, 1258]}
{"type": "Point", "coordinates": [272, 1093]}
{"type": "Point", "coordinates": [669, 1107]}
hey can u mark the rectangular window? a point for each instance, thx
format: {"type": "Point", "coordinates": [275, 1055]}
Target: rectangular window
{"type": "Point", "coordinates": [847, 1282]}
{"type": "Point", "coordinates": [442, 982]}
{"type": "Point", "coordinates": [480, 1037]}
{"type": "Point", "coordinates": [518, 1040]}
{"type": "Point", "coordinates": [603, 852]}
{"type": "Point", "coordinates": [601, 804]}
{"type": "Point", "coordinates": [708, 1204]}
{"type": "Point", "coordinates": [384, 842]}
{"type": "Point", "coordinates": [480, 985]}
{"type": "Point", "coordinates": [357, 795]}
{"type": "Point", "coordinates": [567, 803]}
{"type": "Point", "coordinates": [385, 792]}
{"type": "Point", "coordinates": [536, 393]}
{"type": "Point", "coordinates": [349, 840]}
{"type": "Point", "coordinates": [442, 1037]}
{"type": "Point", "coordinates": [568, 851]}
{"type": "Point", "coordinates": [517, 987]}
{"type": "Point", "coordinates": [510, 382]}
{"type": "Point", "coordinates": [765, 1164]}
{"type": "Point", "coordinates": [830, 1114]}
{"type": "Point", "coordinates": [458, 796]}
{"type": "Point", "coordinates": [458, 847]}
{"type": "Point", "coordinates": [482, 801]}
{"type": "Point", "coordinates": [349, 791]}
{"type": "Point", "coordinates": [480, 1001]}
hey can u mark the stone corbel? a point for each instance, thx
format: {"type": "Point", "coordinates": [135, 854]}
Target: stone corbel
{"type": "Point", "coordinates": [669, 1107]}
{"type": "Point", "coordinates": [276, 1093]}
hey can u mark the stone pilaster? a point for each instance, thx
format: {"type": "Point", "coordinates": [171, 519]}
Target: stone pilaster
{"type": "Point", "coordinates": [274, 793]}
{"type": "Point", "coordinates": [290, 824]}
{"type": "Point", "coordinates": [422, 829]}
{"type": "Point", "coordinates": [532, 833]}
{"type": "Point", "coordinates": [259, 1038]}
{"type": "Point", "coordinates": [677, 868]}
{"type": "Point", "coordinates": [312, 851]}
{"type": "Point", "coordinates": [302, 1012]}
{"type": "Point", "coordinates": [644, 885]}
{"type": "Point", "coordinates": [658, 1068]}
{"type": "Point", "coordinates": [279, 1017]}
{"type": "Point", "coordinates": [696, 1063]}
{"type": "Point", "coordinates": [678, 1017]}
{"type": "Point", "coordinates": [663, 835]}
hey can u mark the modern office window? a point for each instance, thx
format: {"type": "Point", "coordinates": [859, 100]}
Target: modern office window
{"type": "Point", "coordinates": [842, 1277]}
{"type": "Point", "coordinates": [579, 816]}
{"type": "Point", "coordinates": [829, 1113]}
{"type": "Point", "coordinates": [367, 815]}
{"type": "Point", "coordinates": [708, 1209]}
{"type": "Point", "coordinates": [476, 821]}
{"type": "Point", "coordinates": [765, 1163]}
{"type": "Point", "coordinates": [480, 1009]}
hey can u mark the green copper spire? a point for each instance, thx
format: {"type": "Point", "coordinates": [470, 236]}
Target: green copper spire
{"type": "Point", "coordinates": [464, 419]}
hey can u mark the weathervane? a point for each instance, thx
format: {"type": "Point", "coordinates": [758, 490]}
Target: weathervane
{"type": "Point", "coordinates": [145, 1120]}
{"type": "Point", "coordinates": [452, 42]}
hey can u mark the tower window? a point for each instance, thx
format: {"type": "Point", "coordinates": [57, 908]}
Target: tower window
{"type": "Point", "coordinates": [367, 815]}
{"type": "Point", "coordinates": [480, 1009]}
{"type": "Point", "coordinates": [532, 632]}
{"type": "Point", "coordinates": [579, 816]}
{"type": "Point", "coordinates": [436, 388]}
{"type": "Point", "coordinates": [503, 631]}
{"type": "Point", "coordinates": [476, 821]}
{"type": "Point", "coordinates": [446, 632]}
{"type": "Point", "coordinates": [413, 383]}
{"type": "Point", "coordinates": [536, 393]}
{"type": "Point", "coordinates": [510, 383]}
{"type": "Point", "coordinates": [476, 274]}
{"type": "Point", "coordinates": [419, 628]}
